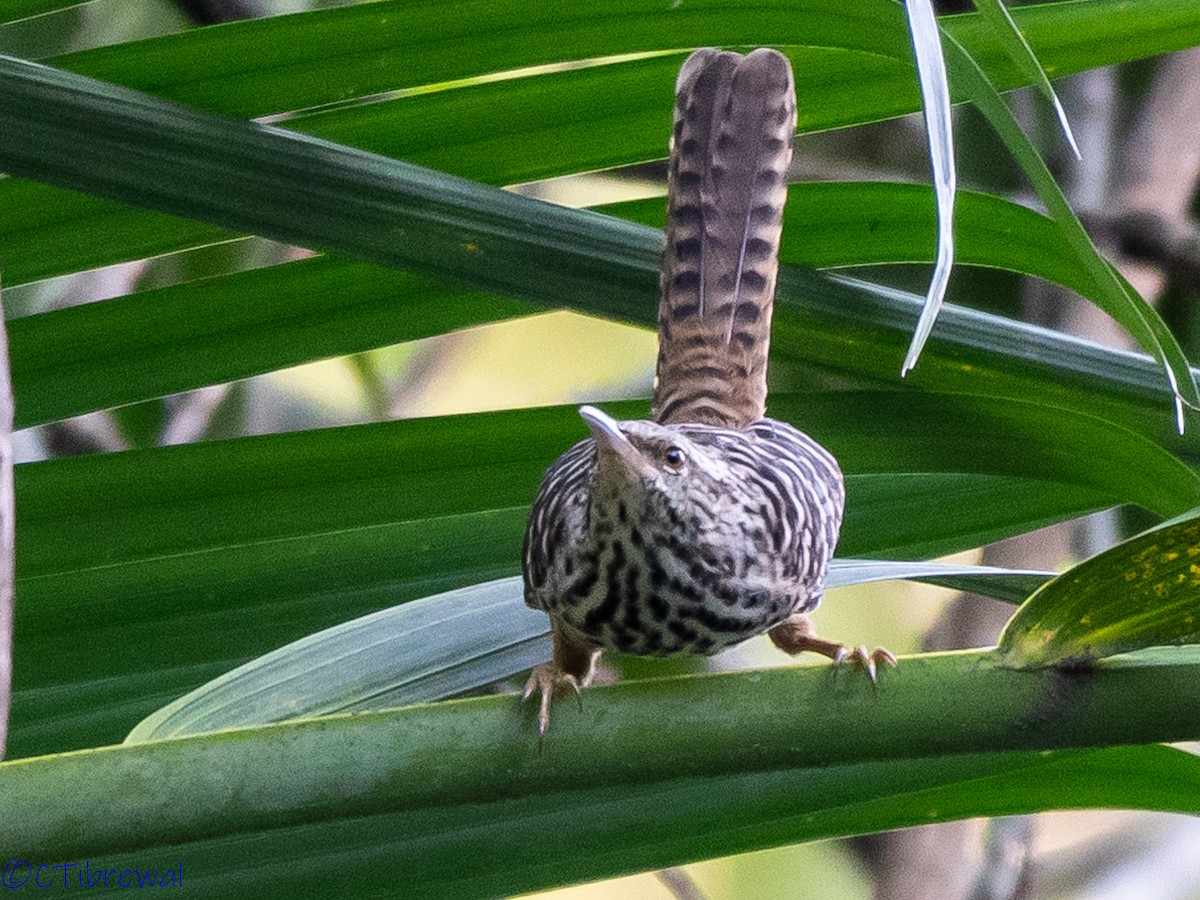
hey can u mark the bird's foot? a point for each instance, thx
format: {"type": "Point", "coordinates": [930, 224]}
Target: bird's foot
{"type": "Point", "coordinates": [860, 658]}
{"type": "Point", "coordinates": [545, 679]}
{"type": "Point", "coordinates": [573, 665]}
{"type": "Point", "coordinates": [796, 636]}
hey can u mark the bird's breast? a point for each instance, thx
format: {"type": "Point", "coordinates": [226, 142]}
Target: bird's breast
{"type": "Point", "coordinates": [656, 594]}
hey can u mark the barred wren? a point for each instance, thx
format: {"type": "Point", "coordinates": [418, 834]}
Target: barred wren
{"type": "Point", "coordinates": [710, 524]}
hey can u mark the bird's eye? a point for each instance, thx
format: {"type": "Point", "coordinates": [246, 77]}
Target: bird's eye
{"type": "Point", "coordinates": [674, 458]}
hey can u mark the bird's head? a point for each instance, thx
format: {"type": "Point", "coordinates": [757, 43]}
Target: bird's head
{"type": "Point", "coordinates": [638, 457]}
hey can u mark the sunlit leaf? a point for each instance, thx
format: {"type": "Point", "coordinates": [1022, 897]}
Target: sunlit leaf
{"type": "Point", "coordinates": [1145, 592]}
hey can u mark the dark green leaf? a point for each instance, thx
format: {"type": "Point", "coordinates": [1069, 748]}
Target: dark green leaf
{"type": "Point", "coordinates": [832, 224]}
{"type": "Point", "coordinates": [1009, 35]}
{"type": "Point", "coordinates": [852, 756]}
{"type": "Point", "coordinates": [119, 551]}
{"type": "Point", "coordinates": [1109, 290]}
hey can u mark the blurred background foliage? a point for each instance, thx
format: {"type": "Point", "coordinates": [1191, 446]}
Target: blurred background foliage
{"type": "Point", "coordinates": [1135, 189]}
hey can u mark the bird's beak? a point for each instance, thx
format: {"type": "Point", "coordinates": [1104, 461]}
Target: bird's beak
{"type": "Point", "coordinates": [609, 437]}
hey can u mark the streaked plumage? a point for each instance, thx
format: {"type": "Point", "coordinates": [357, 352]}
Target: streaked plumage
{"type": "Point", "coordinates": [692, 559]}
{"type": "Point", "coordinates": [711, 524]}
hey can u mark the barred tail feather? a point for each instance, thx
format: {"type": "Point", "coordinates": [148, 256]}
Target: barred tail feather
{"type": "Point", "coordinates": [732, 144]}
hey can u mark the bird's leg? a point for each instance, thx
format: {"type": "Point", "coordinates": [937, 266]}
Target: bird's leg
{"type": "Point", "coordinates": [573, 665]}
{"type": "Point", "coordinates": [796, 635]}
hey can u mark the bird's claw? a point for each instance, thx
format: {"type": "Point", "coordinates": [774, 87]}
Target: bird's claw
{"type": "Point", "coordinates": [545, 679]}
{"type": "Point", "coordinates": [868, 661]}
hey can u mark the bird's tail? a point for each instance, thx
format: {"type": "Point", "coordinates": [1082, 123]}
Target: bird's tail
{"type": "Point", "coordinates": [734, 121]}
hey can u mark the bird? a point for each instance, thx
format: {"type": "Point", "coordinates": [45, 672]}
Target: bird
{"type": "Point", "coordinates": [711, 523]}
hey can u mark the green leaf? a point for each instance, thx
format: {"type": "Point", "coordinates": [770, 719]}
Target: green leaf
{"type": "Point", "coordinates": [853, 57]}
{"type": "Point", "coordinates": [833, 224]}
{"type": "Point", "coordinates": [186, 336]}
{"type": "Point", "coordinates": [1110, 291]}
{"type": "Point", "coordinates": [258, 179]}
{"type": "Point", "coordinates": [1144, 592]}
{"type": "Point", "coordinates": [856, 335]}
{"type": "Point", "coordinates": [852, 756]}
{"type": "Point", "coordinates": [902, 512]}
{"type": "Point", "coordinates": [444, 645]}
{"type": "Point", "coordinates": [1008, 33]}
{"type": "Point", "coordinates": [15, 10]}
{"type": "Point", "coordinates": [203, 332]}
{"type": "Point", "coordinates": [47, 231]}
{"type": "Point", "coordinates": [1010, 585]}
{"type": "Point", "coordinates": [162, 503]}
{"type": "Point", "coordinates": [300, 190]}
{"type": "Point", "coordinates": [421, 651]}
{"type": "Point", "coordinates": [485, 850]}
{"type": "Point", "coordinates": [991, 436]}
{"type": "Point", "coordinates": [532, 127]}
{"type": "Point", "coordinates": [303, 531]}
